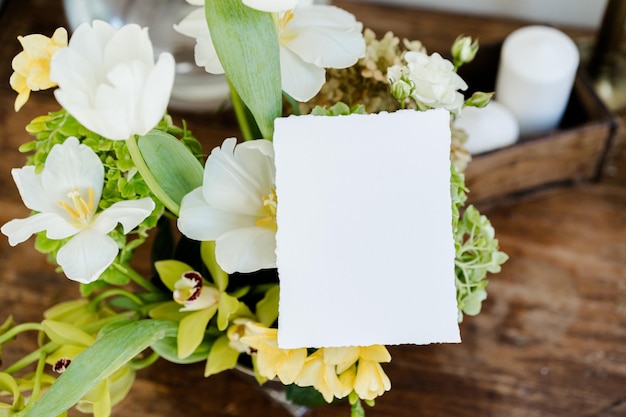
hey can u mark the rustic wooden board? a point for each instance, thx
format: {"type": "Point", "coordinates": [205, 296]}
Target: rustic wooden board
{"type": "Point", "coordinates": [575, 151]}
{"type": "Point", "coordinates": [551, 341]}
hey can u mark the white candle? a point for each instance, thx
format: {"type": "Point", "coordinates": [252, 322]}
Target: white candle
{"type": "Point", "coordinates": [535, 77]}
{"type": "Point", "coordinates": [487, 128]}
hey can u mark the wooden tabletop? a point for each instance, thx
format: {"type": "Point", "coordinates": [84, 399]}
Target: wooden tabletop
{"type": "Point", "coordinates": [550, 342]}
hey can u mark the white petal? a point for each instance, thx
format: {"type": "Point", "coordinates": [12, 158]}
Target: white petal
{"type": "Point", "coordinates": [258, 158]}
{"type": "Point", "coordinates": [128, 213]}
{"type": "Point", "coordinates": [327, 36]}
{"type": "Point", "coordinates": [231, 186]}
{"type": "Point", "coordinates": [87, 42]}
{"type": "Point", "coordinates": [71, 70]}
{"type": "Point", "coordinates": [116, 102]}
{"type": "Point", "coordinates": [271, 5]}
{"type": "Point", "coordinates": [129, 43]}
{"type": "Point", "coordinates": [196, 2]}
{"type": "Point", "coordinates": [156, 94]}
{"type": "Point", "coordinates": [300, 80]}
{"type": "Point", "coordinates": [195, 26]}
{"type": "Point", "coordinates": [209, 296]}
{"type": "Point", "coordinates": [197, 220]}
{"type": "Point", "coordinates": [31, 190]}
{"type": "Point", "coordinates": [87, 255]}
{"type": "Point", "coordinates": [108, 80]}
{"type": "Point", "coordinates": [246, 250]}
{"type": "Point", "coordinates": [18, 230]}
{"type": "Point", "coordinates": [72, 166]}
{"type": "Point", "coordinates": [206, 56]}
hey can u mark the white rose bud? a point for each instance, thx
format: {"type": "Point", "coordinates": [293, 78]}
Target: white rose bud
{"type": "Point", "coordinates": [464, 50]}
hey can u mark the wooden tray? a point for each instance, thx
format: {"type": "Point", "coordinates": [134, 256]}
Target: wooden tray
{"type": "Point", "coordinates": [573, 152]}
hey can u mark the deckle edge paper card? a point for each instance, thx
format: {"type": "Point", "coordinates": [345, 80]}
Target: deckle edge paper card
{"type": "Point", "coordinates": [365, 251]}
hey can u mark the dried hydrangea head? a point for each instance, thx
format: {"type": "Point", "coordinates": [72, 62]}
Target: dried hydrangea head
{"type": "Point", "coordinates": [32, 65]}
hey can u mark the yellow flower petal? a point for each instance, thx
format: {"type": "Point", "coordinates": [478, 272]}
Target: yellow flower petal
{"type": "Point", "coordinates": [375, 353]}
{"type": "Point", "coordinates": [371, 381]}
{"type": "Point", "coordinates": [32, 65]}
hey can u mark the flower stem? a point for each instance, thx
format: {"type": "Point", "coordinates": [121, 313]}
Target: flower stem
{"type": "Point", "coordinates": [144, 363]}
{"type": "Point", "coordinates": [117, 291]}
{"type": "Point", "coordinates": [32, 357]}
{"type": "Point", "coordinates": [146, 174]}
{"type": "Point", "coordinates": [293, 103]}
{"type": "Point", "coordinates": [356, 410]}
{"type": "Point", "coordinates": [17, 330]}
{"type": "Point", "coordinates": [136, 276]}
{"type": "Point", "coordinates": [243, 118]}
{"type": "Point", "coordinates": [37, 382]}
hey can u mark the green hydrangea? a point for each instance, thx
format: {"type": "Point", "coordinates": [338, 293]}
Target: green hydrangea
{"type": "Point", "coordinates": [477, 250]}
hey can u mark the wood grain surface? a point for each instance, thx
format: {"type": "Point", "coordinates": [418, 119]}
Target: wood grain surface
{"type": "Point", "coordinates": [550, 342]}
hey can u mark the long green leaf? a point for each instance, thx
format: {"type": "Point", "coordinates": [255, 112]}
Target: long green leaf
{"type": "Point", "coordinates": [174, 167]}
{"type": "Point", "coordinates": [247, 45]}
{"type": "Point", "coordinates": [110, 352]}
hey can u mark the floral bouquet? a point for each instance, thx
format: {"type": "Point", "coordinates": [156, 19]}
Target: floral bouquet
{"type": "Point", "coordinates": [110, 169]}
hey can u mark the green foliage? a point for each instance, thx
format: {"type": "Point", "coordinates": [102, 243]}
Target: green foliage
{"type": "Point", "coordinates": [173, 167]}
{"type": "Point", "coordinates": [113, 349]}
{"type": "Point", "coordinates": [9, 385]}
{"type": "Point", "coordinates": [476, 250]}
{"type": "Point", "coordinates": [306, 396]}
{"type": "Point", "coordinates": [246, 43]}
{"type": "Point", "coordinates": [167, 348]}
{"type": "Point", "coordinates": [122, 181]}
{"type": "Point", "coordinates": [338, 109]}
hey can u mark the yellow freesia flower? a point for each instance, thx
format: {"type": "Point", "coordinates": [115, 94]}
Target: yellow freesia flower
{"type": "Point", "coordinates": [272, 361]}
{"type": "Point", "coordinates": [358, 368]}
{"type": "Point", "coordinates": [370, 380]}
{"type": "Point", "coordinates": [32, 65]}
{"type": "Point", "coordinates": [319, 373]}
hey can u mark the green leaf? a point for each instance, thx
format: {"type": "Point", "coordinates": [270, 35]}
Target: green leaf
{"type": "Point", "coordinates": [221, 357]}
{"type": "Point", "coordinates": [247, 45]}
{"type": "Point", "coordinates": [167, 348]}
{"type": "Point", "coordinates": [171, 271]}
{"type": "Point", "coordinates": [66, 334]}
{"type": "Point", "coordinates": [307, 396]}
{"type": "Point", "coordinates": [267, 308]}
{"type": "Point", "coordinates": [110, 352]}
{"type": "Point", "coordinates": [174, 168]}
{"type": "Point", "coordinates": [191, 330]}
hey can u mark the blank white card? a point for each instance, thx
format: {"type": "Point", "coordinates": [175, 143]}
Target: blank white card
{"type": "Point", "coordinates": [365, 250]}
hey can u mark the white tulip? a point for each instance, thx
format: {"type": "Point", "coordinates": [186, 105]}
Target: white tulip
{"type": "Point", "coordinates": [108, 80]}
{"type": "Point", "coordinates": [235, 206]}
{"type": "Point", "coordinates": [311, 38]}
{"type": "Point", "coordinates": [65, 196]}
